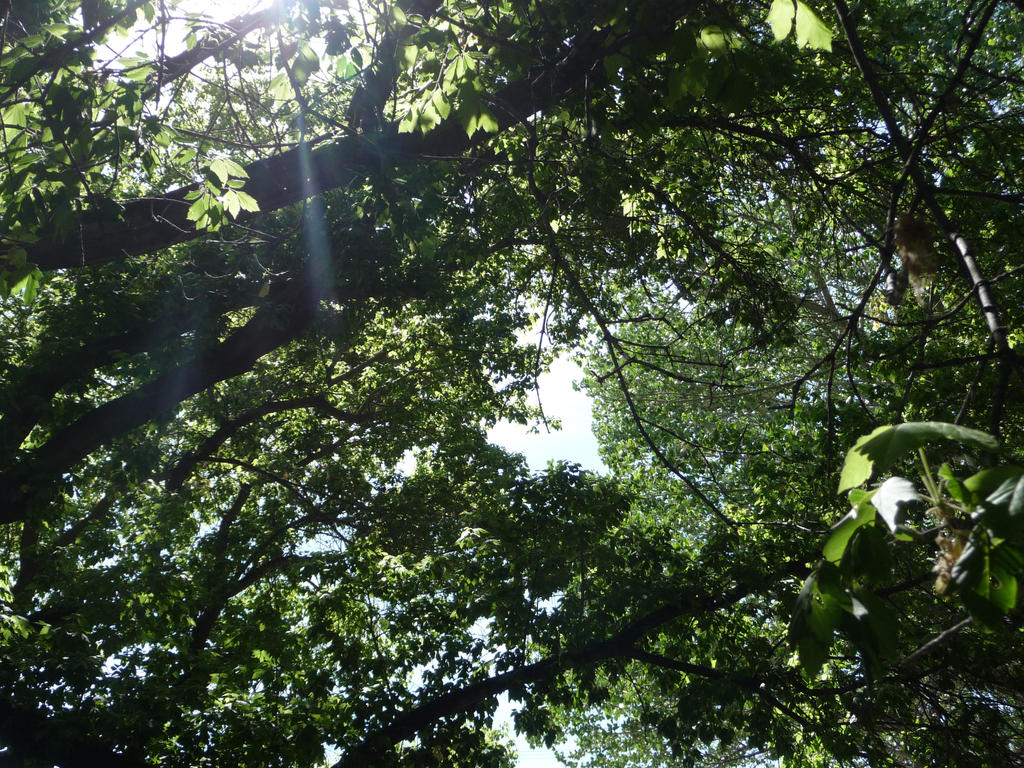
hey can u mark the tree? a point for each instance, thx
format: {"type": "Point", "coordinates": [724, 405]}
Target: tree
{"type": "Point", "coordinates": [742, 376]}
{"type": "Point", "coordinates": [246, 275]}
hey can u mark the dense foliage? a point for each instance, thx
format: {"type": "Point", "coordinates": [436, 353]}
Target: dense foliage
{"type": "Point", "coordinates": [250, 267]}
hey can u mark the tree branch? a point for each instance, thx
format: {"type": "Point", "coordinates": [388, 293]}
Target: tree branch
{"type": "Point", "coordinates": [958, 244]}
{"type": "Point", "coordinates": [43, 738]}
{"type": "Point", "coordinates": [271, 327]}
{"type": "Point", "coordinates": [148, 225]}
{"type": "Point", "coordinates": [372, 749]}
{"type": "Point", "coordinates": [51, 369]}
{"type": "Point", "coordinates": [175, 477]}
{"type": "Point", "coordinates": [55, 57]}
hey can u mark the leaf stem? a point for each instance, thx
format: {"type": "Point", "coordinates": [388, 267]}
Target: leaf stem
{"type": "Point", "coordinates": [929, 481]}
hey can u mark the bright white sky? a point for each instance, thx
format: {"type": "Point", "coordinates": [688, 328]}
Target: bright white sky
{"type": "Point", "coordinates": [573, 442]}
{"type": "Point", "coordinates": [529, 757]}
{"type": "Point", "coordinates": [223, 10]}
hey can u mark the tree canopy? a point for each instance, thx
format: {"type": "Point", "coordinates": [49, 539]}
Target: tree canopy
{"type": "Point", "coordinates": [267, 281]}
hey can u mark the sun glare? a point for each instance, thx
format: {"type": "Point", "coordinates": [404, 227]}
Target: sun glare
{"type": "Point", "coordinates": [223, 10]}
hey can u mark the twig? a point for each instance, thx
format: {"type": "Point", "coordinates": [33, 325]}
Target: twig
{"type": "Point", "coordinates": [936, 641]}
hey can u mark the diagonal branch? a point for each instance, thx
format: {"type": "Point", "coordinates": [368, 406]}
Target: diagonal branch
{"type": "Point", "coordinates": [270, 328]}
{"type": "Point", "coordinates": [172, 68]}
{"type": "Point", "coordinates": [175, 477]}
{"type": "Point", "coordinates": [958, 244]}
{"type": "Point", "coordinates": [148, 225]}
{"type": "Point", "coordinates": [375, 746]}
{"type": "Point", "coordinates": [51, 369]}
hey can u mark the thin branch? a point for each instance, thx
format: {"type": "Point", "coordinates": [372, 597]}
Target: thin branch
{"type": "Point", "coordinates": [175, 477]}
{"type": "Point", "coordinates": [150, 224]}
{"type": "Point", "coordinates": [611, 344]}
{"type": "Point", "coordinates": [940, 639]}
{"type": "Point", "coordinates": [958, 243]}
{"type": "Point", "coordinates": [55, 57]}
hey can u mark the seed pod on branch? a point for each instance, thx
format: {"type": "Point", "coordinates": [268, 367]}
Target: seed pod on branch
{"type": "Point", "coordinates": [914, 242]}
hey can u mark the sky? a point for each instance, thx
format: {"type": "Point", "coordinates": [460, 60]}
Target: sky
{"type": "Point", "coordinates": [574, 442]}
{"type": "Point", "coordinates": [529, 757]}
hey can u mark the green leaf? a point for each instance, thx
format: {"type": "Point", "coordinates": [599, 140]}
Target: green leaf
{"type": "Point", "coordinates": [15, 115]}
{"type": "Point", "coordinates": [1016, 506]}
{"type": "Point", "coordinates": [985, 482]}
{"type": "Point", "coordinates": [441, 104]}
{"type": "Point", "coordinates": [58, 30]}
{"type": "Point", "coordinates": [305, 64]}
{"type": "Point", "coordinates": [408, 123]}
{"type": "Point", "coordinates": [716, 39]}
{"type": "Point", "coordinates": [810, 647]}
{"type": "Point", "coordinates": [971, 568]}
{"type": "Point", "coordinates": [874, 630]}
{"type": "Point", "coordinates": [428, 118]}
{"type": "Point", "coordinates": [1001, 510]}
{"type": "Point", "coordinates": [407, 57]}
{"type": "Point", "coordinates": [818, 611]}
{"type": "Point", "coordinates": [487, 121]}
{"type": "Point", "coordinates": [780, 16]}
{"type": "Point", "coordinates": [891, 496]}
{"type": "Point", "coordinates": [812, 653]}
{"type": "Point", "coordinates": [1008, 558]}
{"type": "Point", "coordinates": [139, 72]}
{"type": "Point", "coordinates": [985, 613]}
{"type": "Point", "coordinates": [473, 115]}
{"type": "Point", "coordinates": [247, 201]}
{"type": "Point", "coordinates": [280, 87]}
{"type": "Point", "coordinates": [906, 533]}
{"type": "Point", "coordinates": [956, 489]}
{"type": "Point", "coordinates": [856, 469]}
{"type": "Point", "coordinates": [198, 209]}
{"type": "Point", "coordinates": [230, 202]}
{"type": "Point", "coordinates": [15, 257]}
{"type": "Point", "coordinates": [867, 558]}
{"type": "Point", "coordinates": [1003, 593]}
{"type": "Point", "coordinates": [810, 30]}
{"type": "Point", "coordinates": [234, 169]}
{"type": "Point", "coordinates": [221, 169]}
{"type": "Point", "coordinates": [25, 284]}
{"type": "Point", "coordinates": [886, 445]}
{"type": "Point", "coordinates": [861, 514]}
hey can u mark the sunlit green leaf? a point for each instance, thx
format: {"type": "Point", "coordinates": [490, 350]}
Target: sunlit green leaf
{"type": "Point", "coordinates": [247, 201]}
{"type": "Point", "coordinates": [221, 169]}
{"type": "Point", "coordinates": [810, 30]}
{"type": "Point", "coordinates": [886, 445]}
{"type": "Point", "coordinates": [839, 536]}
{"type": "Point", "coordinates": [717, 39]}
{"type": "Point", "coordinates": [407, 56]}
{"type": "Point", "coordinates": [198, 209]}
{"type": "Point", "coordinates": [985, 482]}
{"type": "Point", "coordinates": [780, 17]}
{"type": "Point", "coordinates": [891, 497]}
{"type": "Point", "coordinates": [230, 202]}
